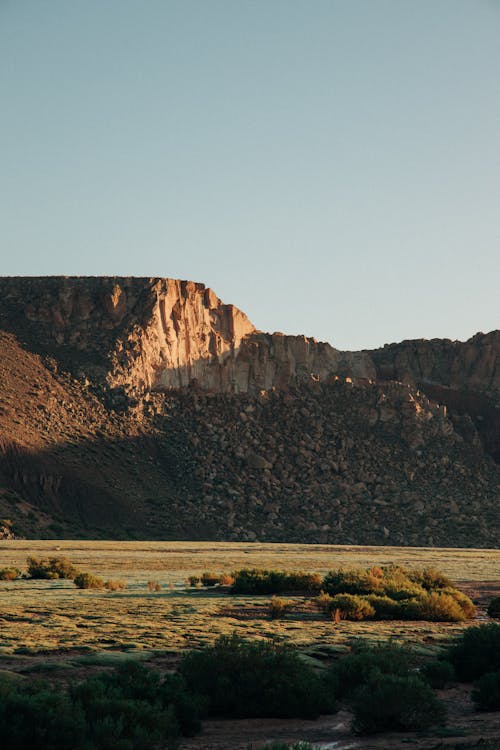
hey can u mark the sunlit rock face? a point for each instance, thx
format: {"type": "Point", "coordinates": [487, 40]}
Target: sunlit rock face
{"type": "Point", "coordinates": [138, 334]}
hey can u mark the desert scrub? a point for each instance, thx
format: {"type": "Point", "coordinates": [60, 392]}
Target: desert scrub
{"type": "Point", "coordinates": [494, 608]}
{"type": "Point", "coordinates": [278, 608]}
{"type": "Point", "coordinates": [476, 652]}
{"type": "Point", "coordinates": [115, 585]}
{"type": "Point", "coordinates": [486, 693]}
{"type": "Point", "coordinates": [241, 679]}
{"type": "Point", "coordinates": [154, 586]}
{"type": "Point", "coordinates": [9, 574]}
{"type": "Point", "coordinates": [51, 568]}
{"type": "Point", "coordinates": [350, 607]}
{"type": "Point", "coordinates": [209, 579]}
{"type": "Point", "coordinates": [260, 581]}
{"type": "Point", "coordinates": [88, 581]}
{"type": "Point", "coordinates": [439, 673]}
{"type": "Point", "coordinates": [389, 702]}
{"type": "Point", "coordinates": [354, 669]}
{"type": "Point", "coordinates": [131, 708]}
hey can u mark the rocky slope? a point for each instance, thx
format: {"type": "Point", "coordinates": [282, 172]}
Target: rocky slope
{"type": "Point", "coordinates": [148, 408]}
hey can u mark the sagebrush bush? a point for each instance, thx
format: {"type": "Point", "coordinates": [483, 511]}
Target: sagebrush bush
{"type": "Point", "coordinates": [113, 585]}
{"type": "Point", "coordinates": [242, 679]}
{"type": "Point", "coordinates": [476, 652]}
{"type": "Point", "coordinates": [154, 586]}
{"type": "Point", "coordinates": [438, 674]}
{"type": "Point", "coordinates": [51, 568]}
{"type": "Point", "coordinates": [436, 607]}
{"type": "Point", "coordinates": [388, 702]}
{"type": "Point", "coordinates": [9, 574]}
{"type": "Point", "coordinates": [494, 608]}
{"type": "Point", "coordinates": [278, 607]}
{"type": "Point", "coordinates": [352, 670]}
{"type": "Point", "coordinates": [209, 579]}
{"type": "Point", "coordinates": [486, 694]}
{"type": "Point", "coordinates": [88, 581]}
{"type": "Point", "coordinates": [259, 581]}
{"type": "Point", "coordinates": [430, 579]}
{"type": "Point", "coordinates": [351, 607]}
{"type": "Point", "coordinates": [225, 579]}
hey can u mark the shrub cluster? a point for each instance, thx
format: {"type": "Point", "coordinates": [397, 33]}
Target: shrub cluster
{"type": "Point", "coordinates": [243, 679]}
{"type": "Point", "coordinates": [476, 656]}
{"type": "Point", "coordinates": [51, 568]}
{"type": "Point", "coordinates": [494, 608]}
{"type": "Point", "coordinates": [9, 574]}
{"type": "Point", "coordinates": [393, 592]}
{"type": "Point", "coordinates": [88, 581]}
{"type": "Point", "coordinates": [258, 581]}
{"type": "Point", "coordinates": [384, 690]}
{"type": "Point", "coordinates": [131, 708]}
{"type": "Point", "coordinates": [477, 652]}
{"type": "Point", "coordinates": [279, 607]}
{"type": "Point", "coordinates": [208, 579]}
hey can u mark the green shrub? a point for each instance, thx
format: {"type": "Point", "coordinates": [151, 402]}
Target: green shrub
{"type": "Point", "coordinates": [88, 581]}
{"type": "Point", "coordinates": [430, 579]}
{"type": "Point", "coordinates": [391, 702]}
{"type": "Point", "coordinates": [137, 697]}
{"type": "Point", "coordinates": [37, 717]}
{"type": "Point", "coordinates": [194, 580]}
{"type": "Point", "coordinates": [259, 581]}
{"type": "Point", "coordinates": [386, 608]}
{"type": "Point", "coordinates": [436, 607]}
{"type": "Point", "coordinates": [352, 670]}
{"type": "Point", "coordinates": [477, 651]}
{"type": "Point", "coordinates": [209, 579]}
{"type": "Point", "coordinates": [486, 694]}
{"type": "Point", "coordinates": [438, 674]}
{"type": "Point", "coordinates": [351, 581]}
{"type": "Point", "coordinates": [9, 574]}
{"type": "Point", "coordinates": [51, 568]}
{"type": "Point", "coordinates": [278, 607]}
{"type": "Point", "coordinates": [494, 608]}
{"type": "Point", "coordinates": [351, 607]}
{"type": "Point", "coordinates": [238, 678]}
{"type": "Point", "coordinates": [465, 604]}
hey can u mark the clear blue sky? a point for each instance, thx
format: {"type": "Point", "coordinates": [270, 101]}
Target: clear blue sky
{"type": "Point", "coordinates": [332, 168]}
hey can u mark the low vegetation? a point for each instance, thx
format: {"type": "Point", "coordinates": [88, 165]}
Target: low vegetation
{"type": "Point", "coordinates": [50, 568]}
{"type": "Point", "coordinates": [476, 652]}
{"type": "Point", "coordinates": [131, 708]}
{"type": "Point", "coordinates": [9, 574]}
{"type": "Point", "coordinates": [239, 678]}
{"type": "Point", "coordinates": [257, 581]}
{"type": "Point", "coordinates": [494, 608]}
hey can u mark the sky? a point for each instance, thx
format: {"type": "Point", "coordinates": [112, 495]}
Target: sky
{"type": "Point", "coordinates": [331, 168]}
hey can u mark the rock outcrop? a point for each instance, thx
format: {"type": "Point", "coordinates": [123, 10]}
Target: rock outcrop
{"type": "Point", "coordinates": [147, 408]}
{"type": "Point", "coordinates": [133, 335]}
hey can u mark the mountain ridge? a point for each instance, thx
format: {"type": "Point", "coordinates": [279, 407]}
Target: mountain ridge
{"type": "Point", "coordinates": [137, 407]}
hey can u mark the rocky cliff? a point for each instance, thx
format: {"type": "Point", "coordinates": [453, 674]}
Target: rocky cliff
{"type": "Point", "coordinates": [133, 335]}
{"type": "Point", "coordinates": [148, 408]}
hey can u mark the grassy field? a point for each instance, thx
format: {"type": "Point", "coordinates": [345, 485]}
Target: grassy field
{"type": "Point", "coordinates": [51, 624]}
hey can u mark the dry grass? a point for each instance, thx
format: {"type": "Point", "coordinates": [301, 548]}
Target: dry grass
{"type": "Point", "coordinates": [54, 618]}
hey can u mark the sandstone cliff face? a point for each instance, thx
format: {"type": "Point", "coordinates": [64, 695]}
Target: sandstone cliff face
{"type": "Point", "coordinates": [133, 335]}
